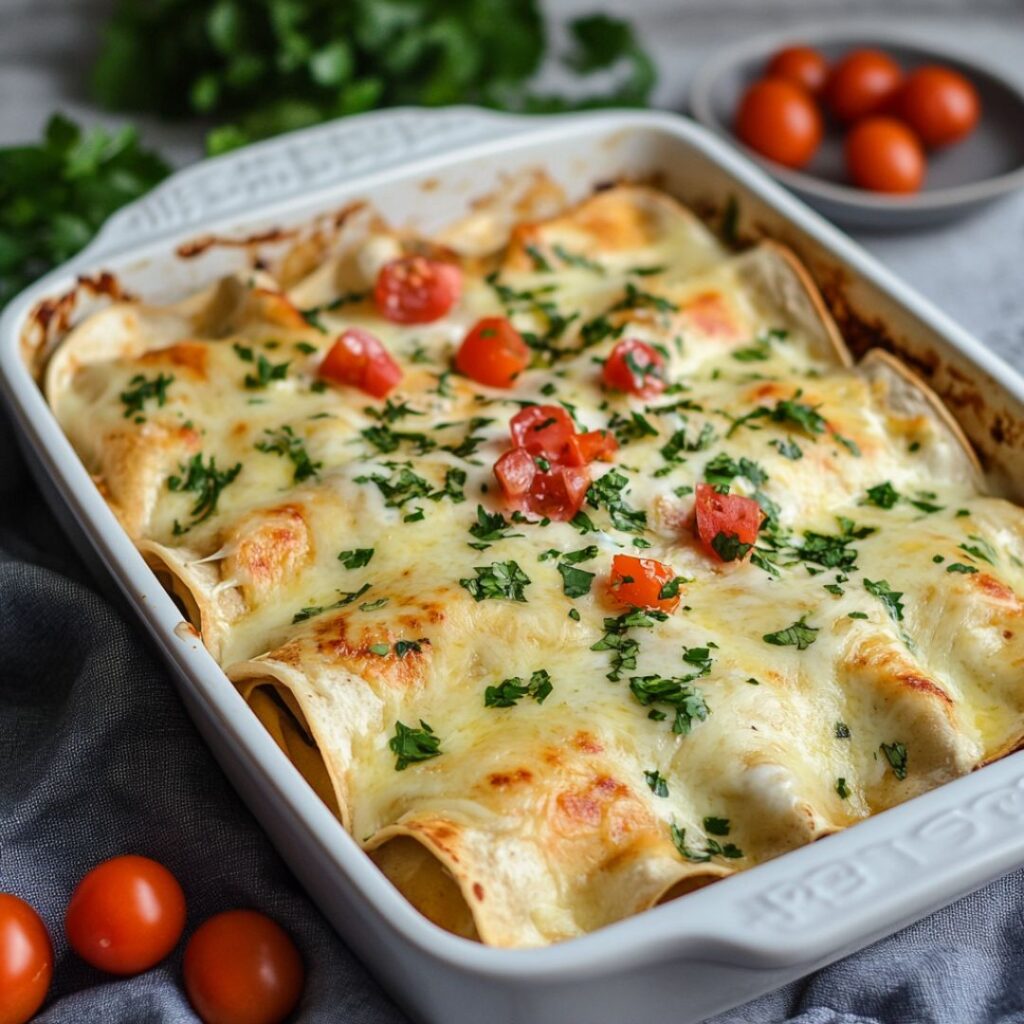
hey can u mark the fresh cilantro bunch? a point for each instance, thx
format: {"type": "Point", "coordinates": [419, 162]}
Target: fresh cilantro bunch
{"type": "Point", "coordinates": [56, 194]}
{"type": "Point", "coordinates": [261, 67]}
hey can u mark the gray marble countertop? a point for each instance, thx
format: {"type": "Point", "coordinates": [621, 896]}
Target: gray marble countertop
{"type": "Point", "coordinates": [973, 269]}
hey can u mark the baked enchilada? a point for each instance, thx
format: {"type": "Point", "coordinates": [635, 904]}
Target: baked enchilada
{"type": "Point", "coordinates": [570, 559]}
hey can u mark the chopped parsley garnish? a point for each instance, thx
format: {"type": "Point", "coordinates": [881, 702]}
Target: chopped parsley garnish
{"type": "Point", "coordinates": [712, 848]}
{"type": "Point", "coordinates": [266, 371]}
{"type": "Point", "coordinates": [841, 788]}
{"type": "Point", "coordinates": [799, 635]}
{"type": "Point", "coordinates": [538, 259]}
{"type": "Point", "coordinates": [625, 648]}
{"type": "Point", "coordinates": [141, 390]}
{"type": "Point", "coordinates": [381, 650]}
{"type": "Point", "coordinates": [980, 549]}
{"type": "Point", "coordinates": [729, 547]}
{"type": "Point", "coordinates": [681, 441]}
{"type": "Point", "coordinates": [761, 349]}
{"type": "Point", "coordinates": [889, 597]}
{"type": "Point", "coordinates": [510, 692]}
{"type": "Point", "coordinates": [632, 428]}
{"type": "Point", "coordinates": [386, 440]}
{"type": "Point", "coordinates": [285, 443]}
{"type": "Point", "coordinates": [400, 488]}
{"type": "Point", "coordinates": [206, 481]}
{"type": "Point", "coordinates": [657, 783]}
{"type": "Point", "coordinates": [831, 550]}
{"type": "Point", "coordinates": [391, 412]}
{"type": "Point", "coordinates": [312, 314]}
{"type": "Point", "coordinates": [356, 558]}
{"type": "Point", "coordinates": [411, 746]}
{"type": "Point", "coordinates": [608, 491]}
{"type": "Point", "coordinates": [722, 469]}
{"type": "Point", "coordinates": [454, 482]}
{"type": "Point", "coordinates": [788, 449]}
{"type": "Point", "coordinates": [575, 582]}
{"type": "Point", "coordinates": [857, 615]}
{"type": "Point", "coordinates": [883, 495]}
{"type": "Point", "coordinates": [716, 826]}
{"type": "Point", "coordinates": [841, 731]}
{"type": "Point", "coordinates": [637, 298]}
{"type": "Point", "coordinates": [574, 259]}
{"type": "Point", "coordinates": [489, 528]}
{"type": "Point", "coordinates": [960, 567]}
{"type": "Point", "coordinates": [896, 755]}
{"type": "Point", "coordinates": [670, 588]}
{"type": "Point", "coordinates": [318, 609]}
{"type": "Point", "coordinates": [499, 580]}
{"type": "Point", "coordinates": [789, 411]}
{"type": "Point", "coordinates": [402, 648]}
{"type": "Point", "coordinates": [686, 701]}
{"type": "Point", "coordinates": [469, 444]}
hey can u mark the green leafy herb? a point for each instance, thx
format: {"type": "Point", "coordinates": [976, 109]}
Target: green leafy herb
{"type": "Point", "coordinates": [896, 754]}
{"type": "Point", "coordinates": [788, 449]}
{"type": "Point", "coordinates": [489, 528]}
{"type": "Point", "coordinates": [608, 491]}
{"type": "Point", "coordinates": [356, 558]}
{"type": "Point", "coordinates": [313, 313]}
{"type": "Point", "coordinates": [960, 567]}
{"type": "Point", "coordinates": [318, 609]}
{"type": "Point", "coordinates": [204, 480]}
{"type": "Point", "coordinates": [285, 443]}
{"type": "Point", "coordinates": [54, 195]}
{"type": "Point", "coordinates": [729, 547]}
{"type": "Point", "coordinates": [499, 580]}
{"type": "Point", "coordinates": [509, 692]}
{"type": "Point", "coordinates": [266, 371]}
{"type": "Point", "coordinates": [842, 731]}
{"type": "Point", "coordinates": [761, 349]}
{"type": "Point", "coordinates": [575, 582]}
{"type": "Point", "coordinates": [841, 788]}
{"type": "Point", "coordinates": [410, 746]}
{"type": "Point", "coordinates": [980, 549]}
{"type": "Point", "coordinates": [657, 783]}
{"type": "Point", "coordinates": [140, 389]}
{"type": "Point", "coordinates": [889, 597]}
{"type": "Point", "coordinates": [575, 259]}
{"type": "Point", "coordinates": [681, 441]}
{"type": "Point", "coordinates": [883, 495]}
{"type": "Point", "coordinates": [625, 648]}
{"type": "Point", "coordinates": [400, 488]}
{"type": "Point", "coordinates": [686, 701]}
{"type": "Point", "coordinates": [799, 635]}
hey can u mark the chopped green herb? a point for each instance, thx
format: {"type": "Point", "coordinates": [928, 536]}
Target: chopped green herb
{"type": "Point", "coordinates": [842, 731]}
{"type": "Point", "coordinates": [575, 582]}
{"type": "Point", "coordinates": [656, 781]}
{"type": "Point", "coordinates": [574, 259]}
{"type": "Point", "coordinates": [799, 635]}
{"type": "Point", "coordinates": [729, 547]}
{"type": "Point", "coordinates": [499, 580]}
{"type": "Point", "coordinates": [411, 746]}
{"type": "Point", "coordinates": [141, 390]}
{"type": "Point", "coordinates": [788, 449]}
{"type": "Point", "coordinates": [489, 528]}
{"type": "Point", "coordinates": [889, 597]}
{"type": "Point", "coordinates": [608, 490]}
{"type": "Point", "coordinates": [883, 495]}
{"type": "Point", "coordinates": [896, 755]}
{"type": "Point", "coordinates": [313, 313]}
{"type": "Point", "coordinates": [960, 567]}
{"type": "Point", "coordinates": [266, 371]}
{"type": "Point", "coordinates": [317, 609]}
{"type": "Point", "coordinates": [400, 488]}
{"type": "Point", "coordinates": [841, 788]}
{"type": "Point", "coordinates": [676, 693]}
{"type": "Point", "coordinates": [980, 549]}
{"type": "Point", "coordinates": [356, 558]}
{"type": "Point", "coordinates": [625, 648]}
{"type": "Point", "coordinates": [509, 692]}
{"type": "Point", "coordinates": [206, 482]}
{"type": "Point", "coordinates": [284, 442]}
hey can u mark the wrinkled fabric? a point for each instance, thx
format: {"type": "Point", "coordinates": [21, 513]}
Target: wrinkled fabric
{"type": "Point", "coordinates": [97, 758]}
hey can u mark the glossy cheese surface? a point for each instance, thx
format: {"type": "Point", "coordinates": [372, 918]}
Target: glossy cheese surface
{"type": "Point", "coordinates": [327, 544]}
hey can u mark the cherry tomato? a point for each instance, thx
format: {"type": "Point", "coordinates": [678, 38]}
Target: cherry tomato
{"type": "Point", "coordinates": [26, 960]}
{"type": "Point", "coordinates": [884, 155]}
{"type": "Point", "coordinates": [730, 516]}
{"type": "Point", "coordinates": [542, 430]}
{"type": "Point", "coordinates": [417, 290]}
{"type": "Point", "coordinates": [582, 449]}
{"type": "Point", "coordinates": [557, 492]}
{"type": "Point", "coordinates": [780, 120]}
{"type": "Point", "coordinates": [125, 915]}
{"type": "Point", "coordinates": [493, 353]}
{"type": "Point", "coordinates": [360, 360]}
{"type": "Point", "coordinates": [800, 64]}
{"type": "Point", "coordinates": [642, 582]}
{"type": "Point", "coordinates": [861, 84]}
{"type": "Point", "coordinates": [242, 968]}
{"type": "Point", "coordinates": [635, 367]}
{"type": "Point", "coordinates": [939, 104]}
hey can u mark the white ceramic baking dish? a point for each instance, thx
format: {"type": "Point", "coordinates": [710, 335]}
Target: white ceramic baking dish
{"type": "Point", "coordinates": [709, 950]}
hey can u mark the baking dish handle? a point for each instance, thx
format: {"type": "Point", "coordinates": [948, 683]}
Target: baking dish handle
{"type": "Point", "coordinates": [301, 163]}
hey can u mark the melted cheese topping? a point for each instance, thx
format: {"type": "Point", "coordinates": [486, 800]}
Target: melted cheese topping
{"type": "Point", "coordinates": [869, 650]}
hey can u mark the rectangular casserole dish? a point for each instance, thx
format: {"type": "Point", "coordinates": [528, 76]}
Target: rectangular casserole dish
{"type": "Point", "coordinates": [719, 946]}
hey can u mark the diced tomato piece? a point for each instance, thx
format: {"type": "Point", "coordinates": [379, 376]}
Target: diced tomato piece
{"type": "Point", "coordinates": [557, 493]}
{"type": "Point", "coordinates": [641, 583]}
{"type": "Point", "coordinates": [417, 290]}
{"type": "Point", "coordinates": [515, 471]}
{"type": "Point", "coordinates": [542, 430]}
{"type": "Point", "coordinates": [493, 353]}
{"type": "Point", "coordinates": [582, 449]}
{"type": "Point", "coordinates": [560, 493]}
{"type": "Point", "coordinates": [359, 360]}
{"type": "Point", "coordinates": [635, 367]}
{"type": "Point", "coordinates": [728, 515]}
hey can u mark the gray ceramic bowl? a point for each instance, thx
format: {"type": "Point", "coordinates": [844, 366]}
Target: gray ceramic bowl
{"type": "Point", "coordinates": [988, 164]}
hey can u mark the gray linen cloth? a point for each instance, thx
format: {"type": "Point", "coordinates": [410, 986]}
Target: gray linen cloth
{"type": "Point", "coordinates": [97, 758]}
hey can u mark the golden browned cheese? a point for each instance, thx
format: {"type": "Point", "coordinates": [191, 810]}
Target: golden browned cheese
{"type": "Point", "coordinates": [533, 761]}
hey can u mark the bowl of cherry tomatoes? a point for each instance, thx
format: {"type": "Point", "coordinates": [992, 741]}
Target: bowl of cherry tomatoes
{"type": "Point", "coordinates": [875, 134]}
